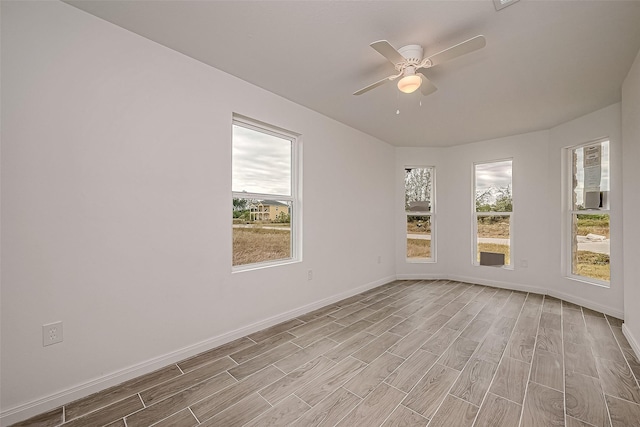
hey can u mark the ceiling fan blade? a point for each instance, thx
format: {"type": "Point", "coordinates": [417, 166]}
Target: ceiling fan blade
{"type": "Point", "coordinates": [427, 88]}
{"type": "Point", "coordinates": [385, 49]}
{"type": "Point", "coordinates": [475, 43]}
{"type": "Point", "coordinates": [372, 86]}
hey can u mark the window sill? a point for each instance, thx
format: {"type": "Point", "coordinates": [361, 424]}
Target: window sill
{"type": "Point", "coordinates": [503, 267]}
{"type": "Point", "coordinates": [262, 265]}
{"type": "Point", "coordinates": [420, 260]}
{"type": "Point", "coordinates": [587, 281]}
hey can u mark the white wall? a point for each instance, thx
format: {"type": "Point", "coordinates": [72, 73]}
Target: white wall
{"type": "Point", "coordinates": [599, 124]}
{"type": "Point", "coordinates": [530, 206]}
{"type": "Point", "coordinates": [420, 157]}
{"type": "Point", "coordinates": [537, 218]}
{"type": "Point", "coordinates": [116, 196]}
{"type": "Point", "coordinates": [631, 204]}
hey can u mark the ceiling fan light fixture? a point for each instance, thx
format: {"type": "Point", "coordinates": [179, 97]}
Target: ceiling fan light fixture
{"type": "Point", "coordinates": [409, 84]}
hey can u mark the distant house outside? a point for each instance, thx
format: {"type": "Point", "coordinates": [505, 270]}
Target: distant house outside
{"type": "Point", "coordinates": [268, 210]}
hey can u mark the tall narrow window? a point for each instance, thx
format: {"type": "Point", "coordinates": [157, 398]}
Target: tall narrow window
{"type": "Point", "coordinates": [589, 212]}
{"type": "Point", "coordinates": [419, 209]}
{"type": "Point", "coordinates": [493, 213]}
{"type": "Point", "coordinates": [264, 189]}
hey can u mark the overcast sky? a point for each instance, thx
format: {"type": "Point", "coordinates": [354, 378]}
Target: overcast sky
{"type": "Point", "coordinates": [494, 174]}
{"type": "Point", "coordinates": [261, 162]}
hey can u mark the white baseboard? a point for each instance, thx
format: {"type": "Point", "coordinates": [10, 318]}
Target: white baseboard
{"type": "Point", "coordinates": [47, 403]}
{"type": "Point", "coordinates": [418, 276]}
{"type": "Point", "coordinates": [519, 287]}
{"type": "Point", "coordinates": [588, 304]}
{"type": "Point", "coordinates": [633, 342]}
{"type": "Point", "coordinates": [497, 284]}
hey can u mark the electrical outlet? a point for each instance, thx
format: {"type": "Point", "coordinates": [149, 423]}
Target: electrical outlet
{"type": "Point", "coordinates": [310, 275]}
{"type": "Point", "coordinates": [51, 333]}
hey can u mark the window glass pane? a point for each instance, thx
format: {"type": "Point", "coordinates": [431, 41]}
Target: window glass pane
{"type": "Point", "coordinates": [261, 162]}
{"type": "Point", "coordinates": [418, 236]}
{"type": "Point", "coordinates": [590, 166]}
{"type": "Point", "coordinates": [417, 189]}
{"type": "Point", "coordinates": [591, 246]}
{"type": "Point", "coordinates": [493, 187]}
{"type": "Point", "coordinates": [493, 236]}
{"type": "Point", "coordinates": [261, 230]}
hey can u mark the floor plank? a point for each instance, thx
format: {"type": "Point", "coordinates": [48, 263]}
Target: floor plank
{"type": "Point", "coordinates": [405, 417]}
{"type": "Point", "coordinates": [410, 343]}
{"type": "Point", "coordinates": [371, 376]}
{"type": "Point", "coordinates": [435, 352]}
{"type": "Point", "coordinates": [474, 381]}
{"type": "Point", "coordinates": [547, 369]}
{"type": "Point", "coordinates": [623, 413]}
{"type": "Point", "coordinates": [584, 400]}
{"type": "Point", "coordinates": [498, 412]}
{"type": "Point", "coordinates": [617, 380]}
{"type": "Point", "coordinates": [240, 413]}
{"type": "Point", "coordinates": [330, 410]}
{"type": "Point", "coordinates": [180, 401]}
{"type": "Point", "coordinates": [324, 384]}
{"type": "Point", "coordinates": [286, 385]}
{"type": "Point", "coordinates": [578, 358]}
{"type": "Point", "coordinates": [113, 394]}
{"type": "Point", "coordinates": [511, 379]}
{"type": "Point", "coordinates": [285, 412]}
{"type": "Point", "coordinates": [183, 418]}
{"type": "Point", "coordinates": [454, 412]}
{"type": "Point", "coordinates": [543, 406]}
{"type": "Point", "coordinates": [412, 370]}
{"type": "Point", "coordinates": [374, 407]}
{"type": "Point", "coordinates": [109, 413]}
{"type": "Point", "coordinates": [213, 404]}
{"type": "Point", "coordinates": [431, 390]}
{"type": "Point", "coordinates": [182, 382]}
{"type": "Point", "coordinates": [375, 348]}
{"type": "Point", "coordinates": [458, 353]}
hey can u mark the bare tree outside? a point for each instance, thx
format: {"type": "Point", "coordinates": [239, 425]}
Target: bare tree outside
{"type": "Point", "coordinates": [418, 204]}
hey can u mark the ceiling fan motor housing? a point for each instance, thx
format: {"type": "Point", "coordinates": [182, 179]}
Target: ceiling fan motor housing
{"type": "Point", "coordinates": [412, 53]}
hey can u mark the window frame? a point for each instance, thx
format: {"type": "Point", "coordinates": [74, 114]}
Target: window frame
{"type": "Point", "coordinates": [294, 198]}
{"type": "Point", "coordinates": [431, 214]}
{"type": "Point", "coordinates": [570, 211]}
{"type": "Point", "coordinates": [474, 249]}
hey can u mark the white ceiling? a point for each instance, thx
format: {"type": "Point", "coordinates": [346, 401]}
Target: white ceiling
{"type": "Point", "coordinates": [546, 62]}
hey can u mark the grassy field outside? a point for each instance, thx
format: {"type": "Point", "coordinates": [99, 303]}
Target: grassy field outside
{"type": "Point", "coordinates": [418, 248]}
{"type": "Point", "coordinates": [593, 224]}
{"type": "Point", "coordinates": [591, 264]}
{"type": "Point", "coordinates": [258, 244]}
{"type": "Point", "coordinates": [594, 265]}
{"type": "Point", "coordinates": [497, 229]}
{"type": "Point", "coordinates": [419, 227]}
{"type": "Point", "coordinates": [251, 245]}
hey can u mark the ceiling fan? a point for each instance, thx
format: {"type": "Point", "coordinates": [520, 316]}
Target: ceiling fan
{"type": "Point", "coordinates": [408, 61]}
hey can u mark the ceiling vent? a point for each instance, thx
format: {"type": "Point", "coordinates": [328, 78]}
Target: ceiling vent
{"type": "Point", "coordinates": [501, 4]}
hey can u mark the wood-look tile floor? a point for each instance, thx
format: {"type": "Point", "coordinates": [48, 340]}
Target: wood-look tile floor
{"type": "Point", "coordinates": [408, 353]}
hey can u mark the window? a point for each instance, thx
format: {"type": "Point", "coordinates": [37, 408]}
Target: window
{"type": "Point", "coordinates": [588, 213]}
{"type": "Point", "coordinates": [266, 213]}
{"type": "Point", "coordinates": [493, 211]}
{"type": "Point", "coordinates": [419, 210]}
